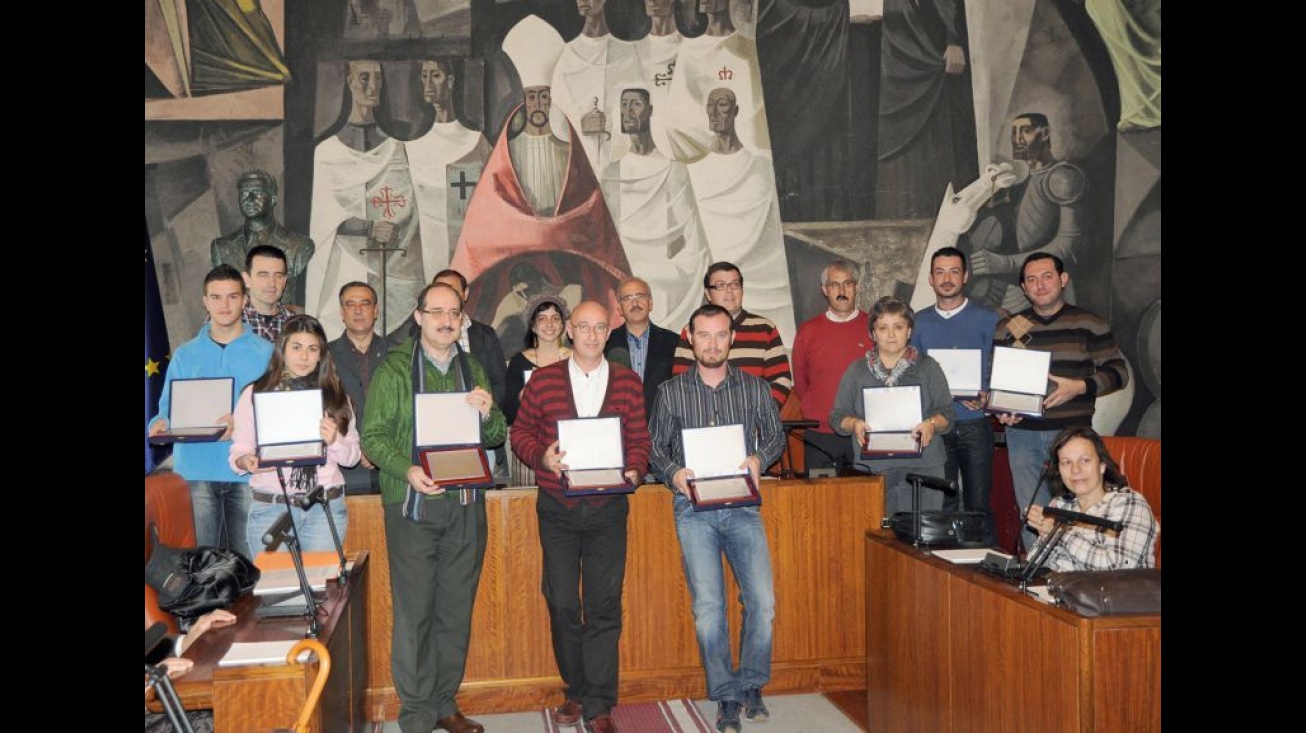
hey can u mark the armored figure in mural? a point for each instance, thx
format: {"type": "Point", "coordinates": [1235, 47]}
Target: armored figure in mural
{"type": "Point", "coordinates": [258, 200]}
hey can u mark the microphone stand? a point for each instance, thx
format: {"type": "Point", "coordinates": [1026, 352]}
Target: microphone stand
{"type": "Point", "coordinates": [318, 496]}
{"type": "Point", "coordinates": [272, 607]}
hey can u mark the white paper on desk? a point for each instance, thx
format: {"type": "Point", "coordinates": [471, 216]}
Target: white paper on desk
{"type": "Point", "coordinates": [1020, 370]}
{"type": "Point", "coordinates": [286, 580]}
{"type": "Point", "coordinates": [961, 367]}
{"type": "Point", "coordinates": [198, 403]}
{"type": "Point", "coordinates": [445, 418]}
{"type": "Point", "coordinates": [892, 409]}
{"type": "Point", "coordinates": [1042, 593]}
{"type": "Point", "coordinates": [246, 653]}
{"type": "Point", "coordinates": [963, 556]}
{"type": "Point", "coordinates": [715, 451]}
{"type": "Point", "coordinates": [288, 417]}
{"type": "Point", "coordinates": [591, 442]}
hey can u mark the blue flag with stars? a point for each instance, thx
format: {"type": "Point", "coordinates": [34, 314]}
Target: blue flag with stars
{"type": "Point", "coordinates": [156, 349]}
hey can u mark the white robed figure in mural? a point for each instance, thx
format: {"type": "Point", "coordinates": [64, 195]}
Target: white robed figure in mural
{"type": "Point", "coordinates": [446, 163]}
{"type": "Point", "coordinates": [737, 202]}
{"type": "Point", "coordinates": [363, 199]}
{"type": "Point", "coordinates": [652, 202]}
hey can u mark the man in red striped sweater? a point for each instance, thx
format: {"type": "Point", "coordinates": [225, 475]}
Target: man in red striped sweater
{"type": "Point", "coordinates": [583, 538]}
{"type": "Point", "coordinates": [758, 348]}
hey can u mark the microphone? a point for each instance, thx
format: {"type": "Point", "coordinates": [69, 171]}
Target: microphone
{"type": "Point", "coordinates": [316, 496]}
{"type": "Point", "coordinates": [1066, 516]}
{"type": "Point", "coordinates": [933, 482]}
{"type": "Point", "coordinates": [276, 533]}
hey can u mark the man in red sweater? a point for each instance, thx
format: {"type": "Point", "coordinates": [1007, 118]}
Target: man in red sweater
{"type": "Point", "coordinates": [823, 348]}
{"type": "Point", "coordinates": [583, 538]}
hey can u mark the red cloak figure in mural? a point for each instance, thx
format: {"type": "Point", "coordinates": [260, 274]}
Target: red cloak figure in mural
{"type": "Point", "coordinates": [509, 252]}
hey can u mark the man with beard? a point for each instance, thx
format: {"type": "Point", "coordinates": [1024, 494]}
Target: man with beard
{"type": "Point", "coordinates": [445, 164]}
{"type": "Point", "coordinates": [714, 392]}
{"type": "Point", "coordinates": [1043, 214]}
{"type": "Point", "coordinates": [257, 194]}
{"type": "Point", "coordinates": [539, 205]}
{"type": "Point", "coordinates": [824, 347]}
{"type": "Point", "coordinates": [956, 322]}
{"type": "Point", "coordinates": [652, 201]}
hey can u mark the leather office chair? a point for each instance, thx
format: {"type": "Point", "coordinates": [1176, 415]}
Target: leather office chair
{"type": "Point", "coordinates": [1140, 460]}
{"type": "Point", "coordinates": [167, 507]}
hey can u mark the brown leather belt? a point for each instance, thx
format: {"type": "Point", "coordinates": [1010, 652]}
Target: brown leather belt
{"type": "Point", "coordinates": [266, 498]}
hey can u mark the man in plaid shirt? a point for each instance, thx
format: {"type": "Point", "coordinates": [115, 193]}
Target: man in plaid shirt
{"type": "Point", "coordinates": [265, 277]}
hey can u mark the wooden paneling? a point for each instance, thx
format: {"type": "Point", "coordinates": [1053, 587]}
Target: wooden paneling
{"type": "Point", "coordinates": [815, 529]}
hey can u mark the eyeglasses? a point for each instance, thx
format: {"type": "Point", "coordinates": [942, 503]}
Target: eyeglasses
{"type": "Point", "coordinates": [841, 284]}
{"type": "Point", "coordinates": [438, 313]}
{"type": "Point", "coordinates": [585, 328]}
{"type": "Point", "coordinates": [633, 297]}
{"type": "Point", "coordinates": [727, 285]}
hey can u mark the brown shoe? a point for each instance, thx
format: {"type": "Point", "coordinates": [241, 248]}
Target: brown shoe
{"type": "Point", "coordinates": [567, 713]}
{"type": "Point", "coordinates": [601, 724]}
{"type": "Point", "coordinates": [459, 723]}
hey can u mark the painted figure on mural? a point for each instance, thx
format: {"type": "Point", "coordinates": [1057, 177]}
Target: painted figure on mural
{"type": "Point", "coordinates": [257, 194]}
{"type": "Point", "coordinates": [446, 163]}
{"type": "Point", "coordinates": [542, 216]}
{"type": "Point", "coordinates": [1043, 213]}
{"type": "Point", "coordinates": [735, 186]}
{"type": "Point", "coordinates": [652, 201]}
{"type": "Point", "coordinates": [363, 199]}
{"type": "Point", "coordinates": [368, 19]}
{"type": "Point", "coordinates": [590, 66]}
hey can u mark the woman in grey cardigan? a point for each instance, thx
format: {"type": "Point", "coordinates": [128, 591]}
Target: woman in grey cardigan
{"type": "Point", "coordinates": [894, 363]}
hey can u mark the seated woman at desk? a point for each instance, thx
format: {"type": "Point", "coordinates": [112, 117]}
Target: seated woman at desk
{"type": "Point", "coordinates": [201, 721]}
{"type": "Point", "coordinates": [893, 362]}
{"type": "Point", "coordinates": [1084, 478]}
{"type": "Point", "coordinates": [300, 361]}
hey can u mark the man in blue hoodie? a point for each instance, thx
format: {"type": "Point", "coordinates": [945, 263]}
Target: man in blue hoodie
{"type": "Point", "coordinates": [224, 347]}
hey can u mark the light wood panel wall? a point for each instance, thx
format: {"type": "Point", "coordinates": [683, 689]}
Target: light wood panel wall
{"type": "Point", "coordinates": [815, 528]}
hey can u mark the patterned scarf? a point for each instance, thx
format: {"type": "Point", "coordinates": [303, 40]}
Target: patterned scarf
{"type": "Point", "coordinates": [890, 377]}
{"type": "Point", "coordinates": [302, 478]}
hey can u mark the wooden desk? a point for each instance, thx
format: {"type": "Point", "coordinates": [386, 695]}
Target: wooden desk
{"type": "Point", "coordinates": [815, 529]}
{"type": "Point", "coordinates": [267, 697]}
{"type": "Point", "coordinates": [952, 649]}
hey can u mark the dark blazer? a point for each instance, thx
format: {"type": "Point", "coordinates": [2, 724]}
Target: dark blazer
{"type": "Point", "coordinates": [657, 368]}
{"type": "Point", "coordinates": [484, 345]}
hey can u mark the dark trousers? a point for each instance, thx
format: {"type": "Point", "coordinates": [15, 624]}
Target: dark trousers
{"type": "Point", "coordinates": [970, 453]}
{"type": "Point", "coordinates": [435, 567]}
{"type": "Point", "coordinates": [826, 450]}
{"type": "Point", "coordinates": [584, 551]}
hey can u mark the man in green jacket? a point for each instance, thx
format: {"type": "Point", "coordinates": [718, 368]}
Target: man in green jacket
{"type": "Point", "coordinates": [436, 544]}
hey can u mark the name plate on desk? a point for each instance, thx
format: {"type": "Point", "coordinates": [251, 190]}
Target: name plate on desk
{"type": "Point", "coordinates": [448, 435]}
{"type": "Point", "coordinates": [194, 406]}
{"type": "Point", "coordinates": [1019, 381]}
{"type": "Point", "coordinates": [288, 428]}
{"type": "Point", "coordinates": [593, 456]}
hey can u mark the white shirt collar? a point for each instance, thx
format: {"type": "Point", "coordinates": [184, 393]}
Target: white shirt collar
{"type": "Point", "coordinates": [954, 311]}
{"type": "Point", "coordinates": [829, 313]}
{"type": "Point", "coordinates": [588, 389]}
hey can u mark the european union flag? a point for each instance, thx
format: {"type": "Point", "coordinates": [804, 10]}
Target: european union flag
{"type": "Point", "coordinates": [156, 348]}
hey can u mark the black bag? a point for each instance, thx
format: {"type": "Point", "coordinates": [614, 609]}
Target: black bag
{"type": "Point", "coordinates": [941, 529]}
{"type": "Point", "coordinates": [192, 581]}
{"type": "Point", "coordinates": [1108, 592]}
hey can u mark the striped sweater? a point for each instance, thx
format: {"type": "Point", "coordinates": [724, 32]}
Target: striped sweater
{"type": "Point", "coordinates": [757, 350]}
{"type": "Point", "coordinates": [548, 398]}
{"type": "Point", "coordinates": [1082, 347]}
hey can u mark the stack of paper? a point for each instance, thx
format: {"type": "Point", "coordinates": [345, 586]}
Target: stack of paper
{"type": "Point", "coordinates": [963, 556]}
{"type": "Point", "coordinates": [244, 654]}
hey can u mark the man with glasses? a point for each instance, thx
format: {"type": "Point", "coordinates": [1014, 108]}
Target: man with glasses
{"type": "Point", "coordinates": [651, 348]}
{"type": "Point", "coordinates": [357, 354]}
{"type": "Point", "coordinates": [583, 538]}
{"type": "Point", "coordinates": [757, 349]}
{"type": "Point", "coordinates": [435, 544]}
{"type": "Point", "coordinates": [824, 347]}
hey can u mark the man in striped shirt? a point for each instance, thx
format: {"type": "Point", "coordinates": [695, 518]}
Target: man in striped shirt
{"type": "Point", "coordinates": [716, 392]}
{"type": "Point", "coordinates": [583, 538]}
{"type": "Point", "coordinates": [1086, 364]}
{"type": "Point", "coordinates": [757, 349]}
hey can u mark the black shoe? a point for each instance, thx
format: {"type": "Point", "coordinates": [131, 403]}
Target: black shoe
{"type": "Point", "coordinates": [727, 716]}
{"type": "Point", "coordinates": [754, 709]}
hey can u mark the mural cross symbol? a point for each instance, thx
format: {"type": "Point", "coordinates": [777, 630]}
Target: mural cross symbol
{"type": "Point", "coordinates": [462, 184]}
{"type": "Point", "coordinates": [398, 201]}
{"type": "Point", "coordinates": [661, 80]}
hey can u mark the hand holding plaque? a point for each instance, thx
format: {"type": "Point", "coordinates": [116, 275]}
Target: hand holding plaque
{"type": "Point", "coordinates": [196, 411]}
{"type": "Point", "coordinates": [1019, 381]}
{"type": "Point", "coordinates": [719, 460]}
{"type": "Point", "coordinates": [595, 457]}
{"type": "Point", "coordinates": [447, 433]}
{"type": "Point", "coordinates": [288, 428]}
{"type": "Point", "coordinates": [892, 414]}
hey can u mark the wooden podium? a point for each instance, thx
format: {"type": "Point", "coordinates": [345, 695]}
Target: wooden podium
{"type": "Point", "coordinates": [950, 648]}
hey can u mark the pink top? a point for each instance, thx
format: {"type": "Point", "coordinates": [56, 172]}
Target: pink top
{"type": "Point", "coordinates": [345, 451]}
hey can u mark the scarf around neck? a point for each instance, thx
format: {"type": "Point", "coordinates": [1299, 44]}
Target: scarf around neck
{"type": "Point", "coordinates": [890, 377]}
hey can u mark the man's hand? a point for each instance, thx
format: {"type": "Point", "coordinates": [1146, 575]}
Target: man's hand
{"type": "Point", "coordinates": [481, 400]}
{"type": "Point", "coordinates": [1009, 419]}
{"type": "Point", "coordinates": [552, 460]}
{"type": "Point", "coordinates": [754, 466]}
{"type": "Point", "coordinates": [418, 479]}
{"type": "Point", "coordinates": [633, 477]}
{"type": "Point", "coordinates": [366, 463]}
{"type": "Point", "coordinates": [1067, 389]}
{"type": "Point", "coordinates": [680, 481]}
{"type": "Point", "coordinates": [230, 422]}
{"type": "Point", "coordinates": [159, 427]}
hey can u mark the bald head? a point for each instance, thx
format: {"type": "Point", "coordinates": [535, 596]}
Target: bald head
{"type": "Point", "coordinates": [588, 329]}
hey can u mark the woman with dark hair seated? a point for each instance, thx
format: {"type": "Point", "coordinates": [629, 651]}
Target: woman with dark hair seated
{"type": "Point", "coordinates": [1084, 478]}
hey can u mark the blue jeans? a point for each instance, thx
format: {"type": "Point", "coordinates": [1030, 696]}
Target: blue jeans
{"type": "Point", "coordinates": [1027, 452]}
{"type": "Point", "coordinates": [740, 535]}
{"type": "Point", "coordinates": [311, 526]}
{"type": "Point", "coordinates": [221, 511]}
{"type": "Point", "coordinates": [970, 454]}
